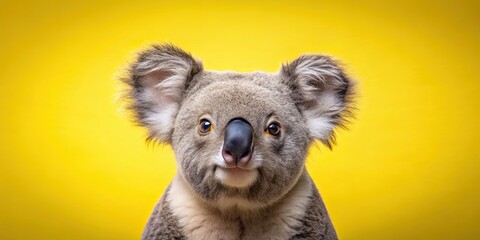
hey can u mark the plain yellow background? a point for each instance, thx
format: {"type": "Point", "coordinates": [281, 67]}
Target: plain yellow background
{"type": "Point", "coordinates": [73, 166]}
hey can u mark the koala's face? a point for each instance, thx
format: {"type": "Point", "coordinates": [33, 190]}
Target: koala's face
{"type": "Point", "coordinates": [239, 137]}
{"type": "Point", "coordinates": [237, 110]}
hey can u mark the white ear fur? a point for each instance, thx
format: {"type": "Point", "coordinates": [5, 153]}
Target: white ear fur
{"type": "Point", "coordinates": [158, 81]}
{"type": "Point", "coordinates": [323, 93]}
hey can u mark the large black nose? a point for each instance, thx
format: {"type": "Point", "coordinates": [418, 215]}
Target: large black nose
{"type": "Point", "coordinates": [237, 146]}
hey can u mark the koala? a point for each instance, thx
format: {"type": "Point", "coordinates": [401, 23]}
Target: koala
{"type": "Point", "coordinates": [240, 142]}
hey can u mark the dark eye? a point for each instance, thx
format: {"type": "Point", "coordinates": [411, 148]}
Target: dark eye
{"type": "Point", "coordinates": [273, 129]}
{"type": "Point", "coordinates": [205, 126]}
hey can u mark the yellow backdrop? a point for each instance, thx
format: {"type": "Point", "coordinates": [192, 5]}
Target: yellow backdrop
{"type": "Point", "coordinates": [74, 167]}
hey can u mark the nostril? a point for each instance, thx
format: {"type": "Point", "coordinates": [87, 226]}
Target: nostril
{"type": "Point", "coordinates": [246, 153]}
{"type": "Point", "coordinates": [245, 159]}
{"type": "Point", "coordinates": [228, 157]}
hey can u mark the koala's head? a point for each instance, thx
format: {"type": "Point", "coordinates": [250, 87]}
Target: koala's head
{"type": "Point", "coordinates": [239, 137]}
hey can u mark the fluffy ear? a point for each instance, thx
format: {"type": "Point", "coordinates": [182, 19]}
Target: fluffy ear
{"type": "Point", "coordinates": [322, 92]}
{"type": "Point", "coordinates": [157, 81]}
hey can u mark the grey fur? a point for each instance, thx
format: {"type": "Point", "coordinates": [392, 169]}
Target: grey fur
{"type": "Point", "coordinates": [315, 223]}
{"type": "Point", "coordinates": [170, 93]}
{"type": "Point", "coordinates": [163, 225]}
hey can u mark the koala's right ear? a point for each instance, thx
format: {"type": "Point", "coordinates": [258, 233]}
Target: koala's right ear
{"type": "Point", "coordinates": [157, 81]}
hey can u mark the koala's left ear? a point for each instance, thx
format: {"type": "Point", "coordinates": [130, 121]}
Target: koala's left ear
{"type": "Point", "coordinates": [323, 93]}
{"type": "Point", "coordinates": [157, 83]}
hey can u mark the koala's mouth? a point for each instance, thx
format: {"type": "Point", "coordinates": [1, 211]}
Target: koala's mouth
{"type": "Point", "coordinates": [237, 177]}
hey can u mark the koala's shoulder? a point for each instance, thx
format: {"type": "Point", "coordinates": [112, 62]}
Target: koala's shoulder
{"type": "Point", "coordinates": [162, 224]}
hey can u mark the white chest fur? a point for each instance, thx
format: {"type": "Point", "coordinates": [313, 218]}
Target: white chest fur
{"type": "Point", "coordinates": [200, 221]}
